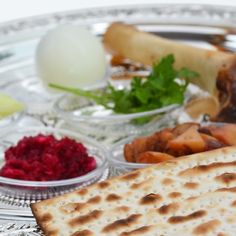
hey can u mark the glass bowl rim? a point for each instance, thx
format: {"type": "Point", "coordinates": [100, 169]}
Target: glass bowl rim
{"type": "Point", "coordinates": [18, 116]}
{"type": "Point", "coordinates": [125, 164]}
{"type": "Point", "coordinates": [132, 165]}
{"type": "Point", "coordinates": [57, 183]}
{"type": "Point", "coordinates": [68, 115]}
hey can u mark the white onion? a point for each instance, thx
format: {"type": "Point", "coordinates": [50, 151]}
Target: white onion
{"type": "Point", "coordinates": [70, 56]}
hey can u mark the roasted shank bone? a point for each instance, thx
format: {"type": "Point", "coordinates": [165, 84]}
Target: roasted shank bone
{"type": "Point", "coordinates": [226, 85]}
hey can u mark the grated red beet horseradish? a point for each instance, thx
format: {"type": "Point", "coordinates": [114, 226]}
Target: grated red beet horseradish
{"type": "Point", "coordinates": [45, 158]}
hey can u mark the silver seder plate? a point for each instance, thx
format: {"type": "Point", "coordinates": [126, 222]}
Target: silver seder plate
{"type": "Point", "coordinates": [201, 25]}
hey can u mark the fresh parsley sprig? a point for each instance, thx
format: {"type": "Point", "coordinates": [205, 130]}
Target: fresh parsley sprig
{"type": "Point", "coordinates": [161, 88]}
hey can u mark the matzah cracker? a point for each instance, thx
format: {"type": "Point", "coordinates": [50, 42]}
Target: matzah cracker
{"type": "Point", "coordinates": [192, 195]}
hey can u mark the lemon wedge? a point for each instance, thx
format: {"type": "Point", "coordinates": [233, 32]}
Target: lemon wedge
{"type": "Point", "coordinates": [9, 105]}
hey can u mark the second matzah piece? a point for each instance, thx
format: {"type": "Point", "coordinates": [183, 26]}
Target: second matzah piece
{"type": "Point", "coordinates": [143, 202]}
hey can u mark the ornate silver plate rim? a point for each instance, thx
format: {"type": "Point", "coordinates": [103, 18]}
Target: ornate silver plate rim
{"type": "Point", "coordinates": [98, 19]}
{"type": "Point", "coordinates": [24, 203]}
{"type": "Point", "coordinates": [224, 15]}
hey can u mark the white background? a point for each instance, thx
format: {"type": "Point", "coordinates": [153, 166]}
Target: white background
{"type": "Point", "coordinates": [13, 9]}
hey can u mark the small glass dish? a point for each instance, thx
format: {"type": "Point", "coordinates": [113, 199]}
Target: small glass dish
{"type": "Point", "coordinates": [39, 99]}
{"type": "Point", "coordinates": [9, 121]}
{"type": "Point", "coordinates": [36, 190]}
{"type": "Point", "coordinates": [118, 163]}
{"type": "Point", "coordinates": [95, 120]}
{"type": "Point", "coordinates": [116, 159]}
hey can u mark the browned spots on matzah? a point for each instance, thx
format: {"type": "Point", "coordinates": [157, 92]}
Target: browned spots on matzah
{"type": "Point", "coordinates": [208, 199]}
{"type": "Point", "coordinates": [167, 181]}
{"type": "Point", "coordinates": [207, 227]}
{"type": "Point", "coordinates": [122, 223]}
{"type": "Point", "coordinates": [142, 184]}
{"type": "Point", "coordinates": [77, 206]}
{"type": "Point", "coordinates": [221, 234]}
{"type": "Point", "coordinates": [138, 231]}
{"type": "Point", "coordinates": [150, 199]}
{"type": "Point", "coordinates": [167, 209]}
{"type": "Point", "coordinates": [131, 176]}
{"type": "Point", "coordinates": [84, 219]}
{"type": "Point", "coordinates": [174, 194]}
{"type": "Point", "coordinates": [83, 233]}
{"type": "Point", "coordinates": [52, 232]}
{"type": "Point", "coordinates": [191, 185]}
{"type": "Point", "coordinates": [103, 184]}
{"type": "Point", "coordinates": [226, 178]}
{"type": "Point", "coordinates": [233, 204]}
{"type": "Point", "coordinates": [192, 216]}
{"type": "Point", "coordinates": [82, 192]}
{"type": "Point", "coordinates": [113, 197]}
{"type": "Point", "coordinates": [94, 200]}
{"type": "Point", "coordinates": [206, 168]}
{"type": "Point", "coordinates": [191, 198]}
{"type": "Point", "coordinates": [72, 207]}
{"type": "Point", "coordinates": [46, 217]}
{"type": "Point", "coordinates": [122, 208]}
{"type": "Point", "coordinates": [232, 190]}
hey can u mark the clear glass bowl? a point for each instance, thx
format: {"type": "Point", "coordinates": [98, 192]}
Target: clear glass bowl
{"type": "Point", "coordinates": [117, 162]}
{"type": "Point", "coordinates": [116, 158]}
{"type": "Point", "coordinates": [9, 121]}
{"type": "Point", "coordinates": [39, 100]}
{"type": "Point", "coordinates": [98, 121]}
{"type": "Point", "coordinates": [35, 190]}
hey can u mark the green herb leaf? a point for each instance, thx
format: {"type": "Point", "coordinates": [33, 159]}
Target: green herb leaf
{"type": "Point", "coordinates": [161, 88]}
{"type": "Point", "coordinates": [186, 73]}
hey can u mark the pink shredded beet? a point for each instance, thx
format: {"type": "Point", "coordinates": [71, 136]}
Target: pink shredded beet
{"type": "Point", "coordinates": [44, 158]}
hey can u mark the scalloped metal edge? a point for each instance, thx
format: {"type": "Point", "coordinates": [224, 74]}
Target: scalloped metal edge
{"type": "Point", "coordinates": [220, 14]}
